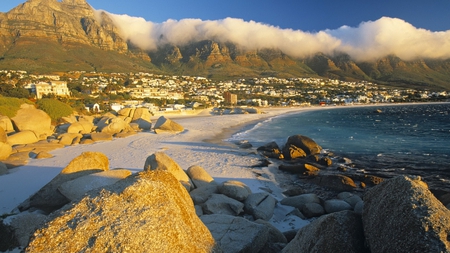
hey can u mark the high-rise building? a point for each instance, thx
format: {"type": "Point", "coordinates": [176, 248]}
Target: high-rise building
{"type": "Point", "coordinates": [230, 98]}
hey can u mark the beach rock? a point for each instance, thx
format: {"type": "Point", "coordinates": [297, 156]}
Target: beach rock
{"type": "Point", "coordinates": [101, 137]}
{"type": "Point", "coordinates": [335, 182]}
{"type": "Point", "coordinates": [350, 198]}
{"type": "Point", "coordinates": [76, 188]}
{"type": "Point", "coordinates": [294, 191]}
{"type": "Point", "coordinates": [340, 232]}
{"type": "Point", "coordinates": [236, 234]}
{"type": "Point", "coordinates": [201, 194]}
{"type": "Point", "coordinates": [276, 241]}
{"type": "Point", "coordinates": [48, 198]}
{"type": "Point", "coordinates": [82, 127]}
{"type": "Point", "coordinates": [359, 207]}
{"type": "Point", "coordinates": [300, 200]}
{"type": "Point", "coordinates": [163, 125]}
{"type": "Point", "coordinates": [7, 239]}
{"type": "Point", "coordinates": [304, 143]}
{"type": "Point", "coordinates": [127, 112]}
{"type": "Point", "coordinates": [142, 117]}
{"type": "Point", "coordinates": [149, 211]}
{"type": "Point", "coordinates": [17, 159]}
{"type": "Point", "coordinates": [221, 204]}
{"type": "Point", "coordinates": [32, 119]}
{"type": "Point", "coordinates": [69, 138]}
{"type": "Point", "coordinates": [199, 176]}
{"type": "Point", "coordinates": [235, 189]}
{"type": "Point", "coordinates": [43, 155]}
{"type": "Point", "coordinates": [6, 124]}
{"type": "Point", "coordinates": [161, 161]}
{"type": "Point", "coordinates": [336, 205]}
{"type": "Point", "coordinates": [293, 152]}
{"type": "Point", "coordinates": [24, 225]}
{"type": "Point", "coordinates": [303, 169]}
{"type": "Point", "coordinates": [116, 125]}
{"type": "Point", "coordinates": [271, 150]}
{"type": "Point", "coordinates": [311, 210]}
{"type": "Point", "coordinates": [402, 215]}
{"type": "Point", "coordinates": [3, 169]}
{"type": "Point", "coordinates": [23, 137]}
{"type": "Point", "coordinates": [5, 151]}
{"type": "Point", "coordinates": [325, 161]}
{"type": "Point", "coordinates": [260, 205]}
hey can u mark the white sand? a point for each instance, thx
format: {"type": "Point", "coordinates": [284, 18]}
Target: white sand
{"type": "Point", "coordinates": [188, 148]}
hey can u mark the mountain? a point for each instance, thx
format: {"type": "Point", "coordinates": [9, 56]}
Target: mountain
{"type": "Point", "coordinates": [45, 36]}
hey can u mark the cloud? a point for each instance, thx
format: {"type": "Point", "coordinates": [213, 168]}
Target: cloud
{"type": "Point", "coordinates": [369, 41]}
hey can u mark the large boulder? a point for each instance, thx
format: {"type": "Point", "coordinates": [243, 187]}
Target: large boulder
{"type": "Point", "coordinates": [6, 124]}
{"type": "Point", "coordinates": [149, 211]}
{"type": "Point", "coordinates": [300, 200]}
{"type": "Point", "coordinates": [142, 117]}
{"type": "Point", "coordinates": [270, 150]}
{"type": "Point", "coordinates": [221, 204]}
{"type": "Point", "coordinates": [82, 127]}
{"type": "Point", "coordinates": [201, 194]}
{"type": "Point", "coordinates": [235, 189]}
{"type": "Point", "coordinates": [164, 125]}
{"type": "Point", "coordinates": [309, 146]}
{"type": "Point", "coordinates": [199, 176]}
{"type": "Point", "coordinates": [402, 215]}
{"type": "Point", "coordinates": [161, 161]}
{"type": "Point", "coordinates": [336, 182]}
{"type": "Point", "coordinates": [260, 205]}
{"type": "Point", "coordinates": [30, 118]}
{"type": "Point", "coordinates": [236, 234]}
{"type": "Point", "coordinates": [116, 125]}
{"type": "Point", "coordinates": [340, 232]}
{"type": "Point", "coordinates": [48, 198]}
{"type": "Point", "coordinates": [76, 188]}
{"type": "Point", "coordinates": [23, 137]}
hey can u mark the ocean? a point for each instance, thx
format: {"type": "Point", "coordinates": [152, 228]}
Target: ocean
{"type": "Point", "coordinates": [397, 139]}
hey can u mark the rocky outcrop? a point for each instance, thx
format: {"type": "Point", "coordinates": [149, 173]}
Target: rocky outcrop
{"type": "Point", "coordinates": [402, 215]}
{"type": "Point", "coordinates": [165, 125]}
{"type": "Point", "coordinates": [339, 232]}
{"type": "Point", "coordinates": [32, 119]}
{"type": "Point", "coordinates": [147, 211]}
{"type": "Point", "coordinates": [295, 144]}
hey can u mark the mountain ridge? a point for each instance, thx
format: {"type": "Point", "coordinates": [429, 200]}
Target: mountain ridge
{"type": "Point", "coordinates": [51, 35]}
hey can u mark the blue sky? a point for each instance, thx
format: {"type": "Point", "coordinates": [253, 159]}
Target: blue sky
{"type": "Point", "coordinates": [305, 15]}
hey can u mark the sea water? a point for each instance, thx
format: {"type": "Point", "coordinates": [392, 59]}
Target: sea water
{"type": "Point", "coordinates": [388, 140]}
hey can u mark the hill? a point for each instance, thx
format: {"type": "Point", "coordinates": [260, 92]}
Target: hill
{"type": "Point", "coordinates": [45, 36]}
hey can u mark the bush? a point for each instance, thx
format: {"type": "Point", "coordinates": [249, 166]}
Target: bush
{"type": "Point", "coordinates": [9, 106]}
{"type": "Point", "coordinates": [54, 108]}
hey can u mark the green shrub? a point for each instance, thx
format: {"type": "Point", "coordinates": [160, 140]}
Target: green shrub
{"type": "Point", "coordinates": [9, 105]}
{"type": "Point", "coordinates": [54, 108]}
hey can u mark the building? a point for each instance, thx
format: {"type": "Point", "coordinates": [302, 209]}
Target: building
{"type": "Point", "coordinates": [230, 99]}
{"type": "Point", "coordinates": [57, 88]}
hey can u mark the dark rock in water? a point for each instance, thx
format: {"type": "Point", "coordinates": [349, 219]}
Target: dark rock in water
{"type": "Point", "coordinates": [293, 152]}
{"type": "Point", "coordinates": [270, 150]}
{"type": "Point", "coordinates": [244, 144]}
{"type": "Point", "coordinates": [337, 232]}
{"type": "Point", "coordinates": [263, 163]}
{"type": "Point", "coordinates": [378, 111]}
{"type": "Point", "coordinates": [304, 169]}
{"type": "Point", "coordinates": [402, 215]}
{"type": "Point", "coordinates": [303, 142]}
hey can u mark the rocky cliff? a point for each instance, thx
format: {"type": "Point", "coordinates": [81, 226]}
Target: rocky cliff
{"type": "Point", "coordinates": [50, 35]}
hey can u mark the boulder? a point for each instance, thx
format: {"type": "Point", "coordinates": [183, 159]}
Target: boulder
{"type": "Point", "coordinates": [302, 142]}
{"type": "Point", "coordinates": [101, 137]}
{"type": "Point", "coordinates": [6, 124]}
{"type": "Point", "coordinates": [221, 204]}
{"type": "Point", "coordinates": [201, 194]}
{"type": "Point", "coordinates": [303, 169]}
{"type": "Point", "coordinates": [8, 241]}
{"type": "Point", "coordinates": [235, 189]}
{"type": "Point", "coordinates": [69, 139]}
{"type": "Point", "coordinates": [311, 210]}
{"type": "Point", "coordinates": [76, 188]}
{"type": "Point", "coordinates": [5, 151]}
{"type": "Point", "coordinates": [276, 241]}
{"type": "Point", "coordinates": [23, 137]}
{"type": "Point", "coordinates": [402, 215]}
{"type": "Point", "coordinates": [338, 233]}
{"type": "Point", "coordinates": [32, 119]}
{"type": "Point", "coordinates": [116, 125]}
{"type": "Point", "coordinates": [300, 200]}
{"type": "Point", "coordinates": [127, 112]}
{"type": "Point", "coordinates": [336, 205]}
{"type": "Point", "coordinates": [260, 205]}
{"type": "Point", "coordinates": [148, 211]}
{"type": "Point", "coordinates": [82, 127]}
{"type": "Point", "coordinates": [163, 125]}
{"type": "Point", "coordinates": [161, 161]}
{"type": "Point", "coordinates": [199, 176]}
{"type": "Point", "coordinates": [236, 234]}
{"type": "Point", "coordinates": [359, 207]}
{"type": "Point", "coordinates": [271, 150]}
{"type": "Point", "coordinates": [293, 152]}
{"type": "Point", "coordinates": [350, 198]}
{"type": "Point", "coordinates": [3, 135]}
{"type": "Point", "coordinates": [142, 117]}
{"type": "Point", "coordinates": [24, 225]}
{"type": "Point", "coordinates": [335, 182]}
{"type": "Point", "coordinates": [43, 155]}
{"type": "Point", "coordinates": [48, 198]}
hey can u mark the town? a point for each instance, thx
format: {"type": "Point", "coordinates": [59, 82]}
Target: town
{"type": "Point", "coordinates": [106, 91]}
